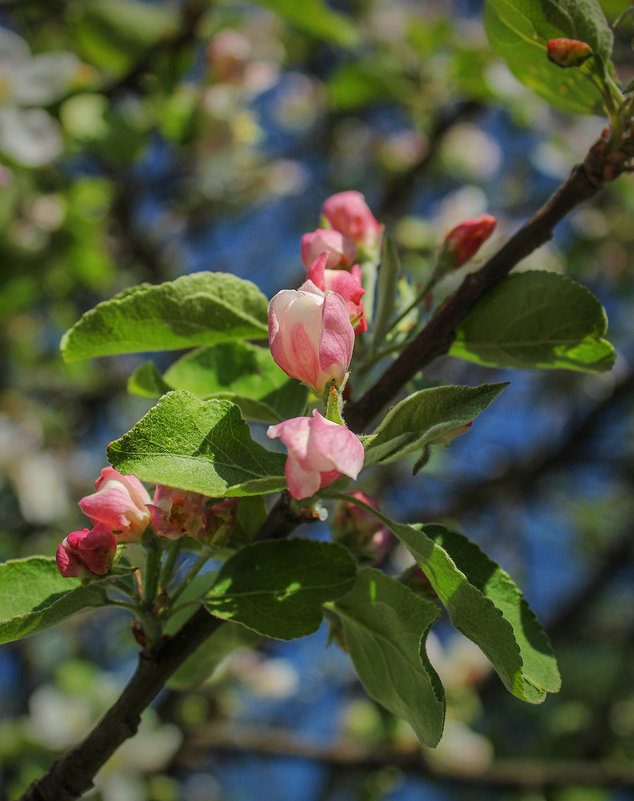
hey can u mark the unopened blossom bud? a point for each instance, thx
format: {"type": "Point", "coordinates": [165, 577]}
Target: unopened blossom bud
{"type": "Point", "coordinates": [175, 512]}
{"type": "Point", "coordinates": [347, 284]}
{"type": "Point", "coordinates": [87, 553]}
{"type": "Point", "coordinates": [319, 452]}
{"type": "Point", "coordinates": [349, 214]}
{"type": "Point", "coordinates": [359, 530]}
{"type": "Point", "coordinates": [120, 502]}
{"type": "Point", "coordinates": [464, 241]}
{"type": "Point", "coordinates": [340, 250]}
{"type": "Point", "coordinates": [568, 52]}
{"type": "Point", "coordinates": [310, 335]}
{"type": "Point", "coordinates": [219, 521]}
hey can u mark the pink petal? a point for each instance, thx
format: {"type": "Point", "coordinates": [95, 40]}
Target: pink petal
{"type": "Point", "coordinates": [337, 340]}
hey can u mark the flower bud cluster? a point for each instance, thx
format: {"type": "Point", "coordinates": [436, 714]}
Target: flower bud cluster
{"type": "Point", "coordinates": [360, 531]}
{"type": "Point", "coordinates": [120, 510]}
{"type": "Point", "coordinates": [312, 336]}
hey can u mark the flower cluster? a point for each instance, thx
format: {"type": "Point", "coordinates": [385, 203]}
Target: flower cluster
{"type": "Point", "coordinates": [312, 334]}
{"type": "Point", "coordinates": [120, 510]}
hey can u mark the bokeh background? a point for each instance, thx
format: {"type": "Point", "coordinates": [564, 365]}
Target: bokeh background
{"type": "Point", "coordinates": [143, 140]}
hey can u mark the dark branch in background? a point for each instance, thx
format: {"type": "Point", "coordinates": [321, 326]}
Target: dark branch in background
{"type": "Point", "coordinates": [510, 774]}
{"type": "Point", "coordinates": [72, 774]}
{"type": "Point", "coordinates": [436, 338]}
{"type": "Point", "coordinates": [139, 246]}
{"type": "Point", "coordinates": [399, 192]}
{"type": "Point", "coordinates": [133, 79]}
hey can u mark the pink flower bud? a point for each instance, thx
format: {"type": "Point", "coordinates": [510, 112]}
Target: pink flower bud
{"type": "Point", "coordinates": [349, 214]}
{"type": "Point", "coordinates": [175, 512]}
{"type": "Point", "coordinates": [341, 250]}
{"type": "Point", "coordinates": [346, 284]}
{"type": "Point", "coordinates": [120, 503]}
{"type": "Point", "coordinates": [219, 522]}
{"type": "Point", "coordinates": [319, 452]}
{"type": "Point", "coordinates": [464, 241]}
{"type": "Point", "coordinates": [87, 553]}
{"type": "Point", "coordinates": [359, 530]}
{"type": "Point", "coordinates": [568, 52]}
{"type": "Point", "coordinates": [310, 335]}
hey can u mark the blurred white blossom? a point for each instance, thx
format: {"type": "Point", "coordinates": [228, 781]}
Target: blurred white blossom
{"type": "Point", "coordinates": [29, 135]}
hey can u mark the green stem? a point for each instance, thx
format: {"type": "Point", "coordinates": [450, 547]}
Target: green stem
{"type": "Point", "coordinates": [185, 604]}
{"type": "Point", "coordinates": [193, 572]}
{"type": "Point", "coordinates": [609, 92]}
{"type": "Point", "coordinates": [170, 562]}
{"type": "Point", "coordinates": [383, 353]}
{"type": "Point", "coordinates": [131, 607]}
{"type": "Point", "coordinates": [418, 299]}
{"type": "Point", "coordinates": [152, 570]}
{"type": "Point", "coordinates": [131, 592]}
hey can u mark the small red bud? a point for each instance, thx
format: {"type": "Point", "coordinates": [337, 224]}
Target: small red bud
{"type": "Point", "coordinates": [464, 241]}
{"type": "Point", "coordinates": [568, 52]}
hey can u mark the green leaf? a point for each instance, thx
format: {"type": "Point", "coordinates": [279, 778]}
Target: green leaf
{"type": "Point", "coordinates": [424, 418]}
{"type": "Point", "coordinates": [278, 588]}
{"type": "Point", "coordinates": [112, 34]}
{"type": "Point", "coordinates": [35, 596]}
{"type": "Point", "coordinates": [198, 309]}
{"type": "Point", "coordinates": [490, 611]}
{"type": "Point", "coordinates": [202, 663]}
{"type": "Point", "coordinates": [202, 446]}
{"type": "Point", "coordinates": [237, 371]}
{"type": "Point", "coordinates": [316, 19]}
{"type": "Point", "coordinates": [536, 319]}
{"type": "Point", "coordinates": [147, 382]}
{"type": "Point", "coordinates": [518, 30]}
{"type": "Point", "coordinates": [388, 278]}
{"type": "Point", "coordinates": [385, 628]}
{"type": "Point", "coordinates": [539, 664]}
{"type": "Point", "coordinates": [250, 515]}
{"type": "Point", "coordinates": [483, 603]}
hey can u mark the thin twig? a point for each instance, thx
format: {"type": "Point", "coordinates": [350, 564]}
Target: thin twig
{"type": "Point", "coordinates": [501, 773]}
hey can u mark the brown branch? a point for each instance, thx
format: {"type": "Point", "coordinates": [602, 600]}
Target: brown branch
{"type": "Point", "coordinates": [501, 773]}
{"type": "Point", "coordinates": [72, 774]}
{"type": "Point", "coordinates": [436, 338]}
